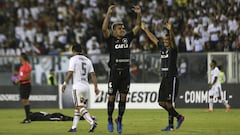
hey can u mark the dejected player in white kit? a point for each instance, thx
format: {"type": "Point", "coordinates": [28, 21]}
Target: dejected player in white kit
{"type": "Point", "coordinates": [215, 89]}
{"type": "Point", "coordinates": [79, 68]}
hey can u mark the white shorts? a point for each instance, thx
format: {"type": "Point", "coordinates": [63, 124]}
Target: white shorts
{"type": "Point", "coordinates": [216, 91]}
{"type": "Point", "coordinates": [80, 96]}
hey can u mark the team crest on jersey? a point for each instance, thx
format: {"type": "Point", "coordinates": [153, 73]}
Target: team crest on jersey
{"type": "Point", "coordinates": [123, 45]}
{"type": "Point", "coordinates": [124, 40]}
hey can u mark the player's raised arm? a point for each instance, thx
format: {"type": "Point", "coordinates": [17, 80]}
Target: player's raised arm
{"type": "Point", "coordinates": [171, 35]}
{"type": "Point", "coordinates": [137, 27]}
{"type": "Point", "coordinates": [105, 30]}
{"type": "Point", "coordinates": [149, 34]}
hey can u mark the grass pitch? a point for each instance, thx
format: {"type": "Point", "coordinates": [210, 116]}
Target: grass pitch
{"type": "Point", "coordinates": [135, 122]}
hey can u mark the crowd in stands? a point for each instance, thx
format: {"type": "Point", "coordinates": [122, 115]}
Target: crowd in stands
{"type": "Point", "coordinates": [51, 27]}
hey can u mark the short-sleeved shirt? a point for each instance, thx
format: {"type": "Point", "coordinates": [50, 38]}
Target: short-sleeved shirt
{"type": "Point", "coordinates": [168, 61]}
{"type": "Point", "coordinates": [119, 50]}
{"type": "Point", "coordinates": [81, 67]}
{"type": "Point", "coordinates": [215, 73]}
{"type": "Point", "coordinates": [24, 70]}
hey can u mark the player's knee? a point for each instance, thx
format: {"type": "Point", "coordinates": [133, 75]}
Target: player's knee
{"type": "Point", "coordinates": [76, 112]}
{"type": "Point", "coordinates": [123, 97]}
{"type": "Point", "coordinates": [25, 102]}
{"type": "Point", "coordinates": [111, 98]}
{"type": "Point", "coordinates": [83, 111]}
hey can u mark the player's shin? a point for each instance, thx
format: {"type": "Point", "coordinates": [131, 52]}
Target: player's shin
{"type": "Point", "coordinates": [211, 104]}
{"type": "Point", "coordinates": [170, 120]}
{"type": "Point", "coordinates": [76, 118]}
{"type": "Point", "coordinates": [110, 108]}
{"type": "Point", "coordinates": [122, 107]}
{"type": "Point", "coordinates": [86, 115]}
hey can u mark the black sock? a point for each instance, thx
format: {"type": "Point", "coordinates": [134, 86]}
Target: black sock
{"type": "Point", "coordinates": [110, 110]}
{"type": "Point", "coordinates": [173, 112]}
{"type": "Point", "coordinates": [121, 107]}
{"type": "Point", "coordinates": [27, 111]}
{"type": "Point", "coordinates": [170, 120]}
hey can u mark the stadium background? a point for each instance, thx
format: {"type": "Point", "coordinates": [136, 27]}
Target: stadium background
{"type": "Point", "coordinates": [47, 29]}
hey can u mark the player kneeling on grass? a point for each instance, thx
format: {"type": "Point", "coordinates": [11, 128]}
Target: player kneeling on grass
{"type": "Point", "coordinates": [79, 67]}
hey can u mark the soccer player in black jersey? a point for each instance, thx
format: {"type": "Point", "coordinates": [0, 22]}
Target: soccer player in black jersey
{"type": "Point", "coordinates": [119, 48]}
{"type": "Point", "coordinates": [169, 84]}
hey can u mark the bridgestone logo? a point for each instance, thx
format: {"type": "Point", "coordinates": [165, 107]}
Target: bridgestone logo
{"type": "Point", "coordinates": [15, 97]}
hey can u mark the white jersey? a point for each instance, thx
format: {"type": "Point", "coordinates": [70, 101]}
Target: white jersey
{"type": "Point", "coordinates": [215, 73]}
{"type": "Point", "coordinates": [81, 67]}
{"type": "Point", "coordinates": [216, 89]}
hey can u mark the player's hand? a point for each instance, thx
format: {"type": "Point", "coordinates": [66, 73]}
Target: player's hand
{"type": "Point", "coordinates": [110, 9]}
{"type": "Point", "coordinates": [64, 85]}
{"type": "Point", "coordinates": [97, 91]}
{"type": "Point", "coordinates": [136, 9]}
{"type": "Point", "coordinates": [210, 87]}
{"type": "Point", "coordinates": [17, 82]}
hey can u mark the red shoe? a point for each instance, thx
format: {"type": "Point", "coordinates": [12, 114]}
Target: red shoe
{"type": "Point", "coordinates": [208, 110]}
{"type": "Point", "coordinates": [227, 108]}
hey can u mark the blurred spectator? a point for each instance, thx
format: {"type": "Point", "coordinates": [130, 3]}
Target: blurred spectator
{"type": "Point", "coordinates": [93, 52]}
{"type": "Point", "coordinates": [81, 19]}
{"type": "Point", "coordinates": [134, 47]}
{"type": "Point", "coordinates": [92, 43]}
{"type": "Point", "coordinates": [182, 44]}
{"type": "Point", "coordinates": [189, 40]}
{"type": "Point", "coordinates": [197, 43]}
{"type": "Point", "coordinates": [135, 71]}
{"type": "Point", "coordinates": [183, 68]}
{"type": "Point", "coordinates": [214, 30]}
{"type": "Point", "coordinates": [52, 80]}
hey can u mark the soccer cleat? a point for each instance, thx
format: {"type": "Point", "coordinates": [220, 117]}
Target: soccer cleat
{"type": "Point", "coordinates": [119, 125]}
{"type": "Point", "coordinates": [180, 121]}
{"type": "Point", "coordinates": [227, 108]}
{"type": "Point", "coordinates": [110, 126]}
{"type": "Point", "coordinates": [208, 110]}
{"type": "Point", "coordinates": [72, 130]}
{"type": "Point", "coordinates": [93, 126]}
{"type": "Point", "coordinates": [26, 121]}
{"type": "Point", "coordinates": [168, 128]}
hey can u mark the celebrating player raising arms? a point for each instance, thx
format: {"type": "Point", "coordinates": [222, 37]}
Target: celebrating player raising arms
{"type": "Point", "coordinates": [119, 48]}
{"type": "Point", "coordinates": [169, 84]}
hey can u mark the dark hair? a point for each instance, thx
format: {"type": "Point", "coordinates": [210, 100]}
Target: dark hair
{"type": "Point", "coordinates": [24, 56]}
{"type": "Point", "coordinates": [220, 67]}
{"type": "Point", "coordinates": [214, 62]}
{"type": "Point", "coordinates": [77, 48]}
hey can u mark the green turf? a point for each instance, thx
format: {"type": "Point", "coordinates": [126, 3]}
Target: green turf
{"type": "Point", "coordinates": [135, 122]}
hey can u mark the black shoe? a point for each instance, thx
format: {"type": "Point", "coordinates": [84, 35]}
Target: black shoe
{"type": "Point", "coordinates": [72, 130]}
{"type": "Point", "coordinates": [26, 121]}
{"type": "Point", "coordinates": [168, 128]}
{"type": "Point", "coordinates": [93, 126]}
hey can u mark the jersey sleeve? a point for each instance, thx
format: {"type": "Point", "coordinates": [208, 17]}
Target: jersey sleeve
{"type": "Point", "coordinates": [215, 73]}
{"type": "Point", "coordinates": [71, 65]}
{"type": "Point", "coordinates": [91, 69]}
